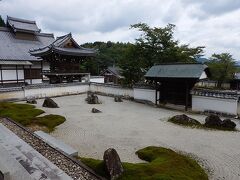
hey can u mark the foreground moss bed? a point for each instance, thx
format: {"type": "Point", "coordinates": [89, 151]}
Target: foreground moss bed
{"type": "Point", "coordinates": [26, 115]}
{"type": "Point", "coordinates": [162, 163]}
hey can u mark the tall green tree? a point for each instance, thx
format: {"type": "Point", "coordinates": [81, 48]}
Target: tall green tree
{"type": "Point", "coordinates": [2, 23]}
{"type": "Point", "coordinates": [157, 45]}
{"type": "Point", "coordinates": [154, 46]}
{"type": "Point", "coordinates": [131, 66]}
{"type": "Point", "coordinates": [222, 67]}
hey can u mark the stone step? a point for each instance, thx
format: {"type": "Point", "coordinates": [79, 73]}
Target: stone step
{"type": "Point", "coordinates": [56, 143]}
{"type": "Point", "coordinates": [26, 159]}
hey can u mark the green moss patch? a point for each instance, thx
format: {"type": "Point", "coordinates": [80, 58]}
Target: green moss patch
{"type": "Point", "coordinates": [26, 115]}
{"type": "Point", "coordinates": [162, 163]}
{"type": "Point", "coordinates": [50, 121]}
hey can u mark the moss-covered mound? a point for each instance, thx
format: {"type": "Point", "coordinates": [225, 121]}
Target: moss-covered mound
{"type": "Point", "coordinates": [184, 120]}
{"type": "Point", "coordinates": [162, 164]}
{"type": "Point", "coordinates": [26, 115]}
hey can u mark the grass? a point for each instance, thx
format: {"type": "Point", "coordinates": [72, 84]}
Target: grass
{"type": "Point", "coordinates": [26, 115]}
{"type": "Point", "coordinates": [162, 164]}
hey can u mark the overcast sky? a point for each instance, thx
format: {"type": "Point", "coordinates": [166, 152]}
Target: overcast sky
{"type": "Point", "coordinates": [211, 23]}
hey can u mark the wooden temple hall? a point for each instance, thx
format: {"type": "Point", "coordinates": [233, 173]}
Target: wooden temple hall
{"type": "Point", "coordinates": [28, 56]}
{"type": "Point", "coordinates": [174, 82]}
{"type": "Point", "coordinates": [64, 56]}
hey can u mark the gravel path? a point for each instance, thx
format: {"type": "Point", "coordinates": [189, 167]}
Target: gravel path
{"type": "Point", "coordinates": [129, 126]}
{"type": "Point", "coordinates": [70, 167]}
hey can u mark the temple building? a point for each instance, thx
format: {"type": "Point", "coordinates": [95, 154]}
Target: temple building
{"type": "Point", "coordinates": [28, 56]}
{"type": "Point", "coordinates": [64, 57]}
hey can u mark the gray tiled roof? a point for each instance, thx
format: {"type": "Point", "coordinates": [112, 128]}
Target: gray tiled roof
{"type": "Point", "coordinates": [176, 71]}
{"type": "Point", "coordinates": [22, 25]}
{"type": "Point", "coordinates": [58, 46]}
{"type": "Point", "coordinates": [18, 49]}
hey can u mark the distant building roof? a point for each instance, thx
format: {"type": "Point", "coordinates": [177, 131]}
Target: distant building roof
{"type": "Point", "coordinates": [176, 71]}
{"type": "Point", "coordinates": [59, 46]}
{"type": "Point", "coordinates": [12, 48]}
{"type": "Point", "coordinates": [114, 70]}
{"type": "Point", "coordinates": [22, 25]}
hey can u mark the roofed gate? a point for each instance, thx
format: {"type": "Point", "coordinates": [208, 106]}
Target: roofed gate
{"type": "Point", "coordinates": [175, 81]}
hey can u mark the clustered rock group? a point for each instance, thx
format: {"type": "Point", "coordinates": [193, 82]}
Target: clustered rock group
{"type": "Point", "coordinates": [211, 121]}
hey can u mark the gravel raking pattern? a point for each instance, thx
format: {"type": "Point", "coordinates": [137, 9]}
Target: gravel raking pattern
{"type": "Point", "coordinates": [70, 166]}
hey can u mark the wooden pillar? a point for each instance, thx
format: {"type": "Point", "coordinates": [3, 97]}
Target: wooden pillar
{"type": "Point", "coordinates": [17, 72]}
{"type": "Point", "coordinates": [30, 74]}
{"type": "Point", "coordinates": [23, 75]}
{"type": "Point", "coordinates": [42, 69]}
{"type": "Point", "coordinates": [187, 96]}
{"type": "Point", "coordinates": [155, 92]}
{"type": "Point", "coordinates": [1, 75]}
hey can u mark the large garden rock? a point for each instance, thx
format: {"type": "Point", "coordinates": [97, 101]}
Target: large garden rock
{"type": "Point", "coordinates": [184, 120]}
{"type": "Point", "coordinates": [213, 121]}
{"type": "Point", "coordinates": [48, 102]}
{"type": "Point", "coordinates": [94, 110]}
{"type": "Point", "coordinates": [228, 124]}
{"type": "Point", "coordinates": [31, 101]}
{"type": "Point", "coordinates": [92, 99]}
{"type": "Point", "coordinates": [118, 99]}
{"type": "Point", "coordinates": [112, 163]}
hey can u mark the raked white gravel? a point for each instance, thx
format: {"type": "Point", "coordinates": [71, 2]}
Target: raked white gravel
{"type": "Point", "coordinates": [128, 126]}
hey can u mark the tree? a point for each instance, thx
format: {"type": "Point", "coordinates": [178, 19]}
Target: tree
{"type": "Point", "coordinates": [131, 66]}
{"type": "Point", "coordinates": [109, 54]}
{"type": "Point", "coordinates": [157, 45]}
{"type": "Point", "coordinates": [154, 46]}
{"type": "Point", "coordinates": [222, 68]}
{"type": "Point", "coordinates": [2, 23]}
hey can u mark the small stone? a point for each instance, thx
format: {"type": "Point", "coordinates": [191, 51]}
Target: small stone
{"type": "Point", "coordinates": [118, 99]}
{"type": "Point", "coordinates": [48, 102]}
{"type": "Point", "coordinates": [94, 110]}
{"type": "Point", "coordinates": [228, 124]}
{"type": "Point", "coordinates": [213, 121]}
{"type": "Point", "coordinates": [31, 101]}
{"type": "Point", "coordinates": [92, 99]}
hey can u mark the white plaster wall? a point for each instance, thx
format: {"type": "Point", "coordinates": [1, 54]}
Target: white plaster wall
{"type": "Point", "coordinates": [56, 91]}
{"type": "Point", "coordinates": [9, 74]}
{"type": "Point", "coordinates": [97, 79]}
{"type": "Point", "coordinates": [144, 94]}
{"type": "Point", "coordinates": [34, 81]}
{"type": "Point", "coordinates": [21, 74]}
{"type": "Point", "coordinates": [111, 90]}
{"type": "Point", "coordinates": [202, 103]}
{"type": "Point", "coordinates": [11, 95]}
